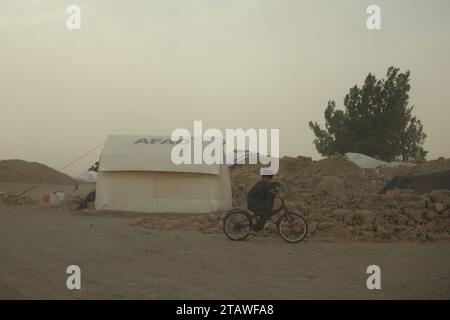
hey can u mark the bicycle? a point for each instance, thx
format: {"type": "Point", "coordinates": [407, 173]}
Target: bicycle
{"type": "Point", "coordinates": [291, 226]}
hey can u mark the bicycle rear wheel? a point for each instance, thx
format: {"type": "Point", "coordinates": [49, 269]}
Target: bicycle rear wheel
{"type": "Point", "coordinates": [236, 225]}
{"type": "Point", "coordinates": [292, 227]}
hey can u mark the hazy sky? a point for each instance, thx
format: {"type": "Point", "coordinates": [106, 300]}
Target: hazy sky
{"type": "Point", "coordinates": [150, 66]}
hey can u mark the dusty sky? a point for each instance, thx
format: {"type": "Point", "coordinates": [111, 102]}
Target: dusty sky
{"type": "Point", "coordinates": [150, 66]}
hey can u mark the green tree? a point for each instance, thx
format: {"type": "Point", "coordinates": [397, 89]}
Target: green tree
{"type": "Point", "coordinates": [376, 121]}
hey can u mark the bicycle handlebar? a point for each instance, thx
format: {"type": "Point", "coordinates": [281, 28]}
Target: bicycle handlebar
{"type": "Point", "coordinates": [278, 189]}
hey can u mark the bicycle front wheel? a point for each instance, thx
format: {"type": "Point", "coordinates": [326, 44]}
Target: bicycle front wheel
{"type": "Point", "coordinates": [236, 225]}
{"type": "Point", "coordinates": [292, 227]}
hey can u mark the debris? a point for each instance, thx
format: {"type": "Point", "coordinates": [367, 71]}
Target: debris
{"type": "Point", "coordinates": [339, 199]}
{"type": "Point", "coordinates": [10, 200]}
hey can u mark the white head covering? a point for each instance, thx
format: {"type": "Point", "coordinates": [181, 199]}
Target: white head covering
{"type": "Point", "coordinates": [267, 172]}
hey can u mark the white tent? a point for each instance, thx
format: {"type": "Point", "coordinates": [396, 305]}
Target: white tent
{"type": "Point", "coordinates": [136, 173]}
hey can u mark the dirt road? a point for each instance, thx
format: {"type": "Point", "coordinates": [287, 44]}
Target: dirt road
{"type": "Point", "coordinates": [121, 261]}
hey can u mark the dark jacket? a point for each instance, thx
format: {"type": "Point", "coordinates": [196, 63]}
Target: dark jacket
{"type": "Point", "coordinates": [259, 198]}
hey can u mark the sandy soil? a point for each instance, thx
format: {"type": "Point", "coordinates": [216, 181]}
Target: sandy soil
{"type": "Point", "coordinates": [119, 260]}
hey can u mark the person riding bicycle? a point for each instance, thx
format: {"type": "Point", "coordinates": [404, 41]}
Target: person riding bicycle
{"type": "Point", "coordinates": [260, 198]}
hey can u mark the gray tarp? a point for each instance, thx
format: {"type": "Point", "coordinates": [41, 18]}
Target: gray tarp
{"type": "Point", "coordinates": [421, 184]}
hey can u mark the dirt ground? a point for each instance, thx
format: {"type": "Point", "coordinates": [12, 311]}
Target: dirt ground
{"type": "Point", "coordinates": [122, 261]}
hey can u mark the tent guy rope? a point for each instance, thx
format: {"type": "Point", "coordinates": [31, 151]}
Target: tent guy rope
{"type": "Point", "coordinates": [65, 167]}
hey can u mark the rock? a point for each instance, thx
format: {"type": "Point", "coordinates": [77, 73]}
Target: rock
{"type": "Point", "coordinates": [402, 195]}
{"type": "Point", "coordinates": [301, 206]}
{"type": "Point", "coordinates": [414, 204]}
{"type": "Point", "coordinates": [445, 214]}
{"type": "Point", "coordinates": [364, 217]}
{"type": "Point", "coordinates": [368, 227]}
{"type": "Point", "coordinates": [399, 228]}
{"type": "Point", "coordinates": [432, 215]}
{"type": "Point", "coordinates": [325, 225]}
{"type": "Point", "coordinates": [392, 204]}
{"type": "Point", "coordinates": [348, 218]}
{"type": "Point", "coordinates": [415, 214]}
{"type": "Point", "coordinates": [440, 195]}
{"type": "Point", "coordinates": [402, 220]}
{"type": "Point", "coordinates": [438, 207]}
{"type": "Point", "coordinates": [312, 227]}
{"type": "Point", "coordinates": [271, 228]}
{"type": "Point", "coordinates": [359, 217]}
{"type": "Point", "coordinates": [318, 216]}
{"type": "Point", "coordinates": [339, 214]}
{"type": "Point", "coordinates": [380, 221]}
{"type": "Point", "coordinates": [382, 232]}
{"type": "Point", "coordinates": [434, 227]}
{"type": "Point", "coordinates": [332, 186]}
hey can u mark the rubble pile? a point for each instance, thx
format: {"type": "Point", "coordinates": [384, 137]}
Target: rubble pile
{"type": "Point", "coordinates": [340, 200]}
{"type": "Point", "coordinates": [10, 200]}
{"type": "Point", "coordinates": [396, 215]}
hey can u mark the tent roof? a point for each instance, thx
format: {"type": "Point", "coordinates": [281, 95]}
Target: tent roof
{"type": "Point", "coordinates": [145, 153]}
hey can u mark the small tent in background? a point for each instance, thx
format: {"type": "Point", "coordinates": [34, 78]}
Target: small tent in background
{"type": "Point", "coordinates": [136, 173]}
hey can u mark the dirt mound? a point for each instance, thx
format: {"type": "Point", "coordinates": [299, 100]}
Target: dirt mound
{"type": "Point", "coordinates": [301, 174]}
{"type": "Point", "coordinates": [19, 171]}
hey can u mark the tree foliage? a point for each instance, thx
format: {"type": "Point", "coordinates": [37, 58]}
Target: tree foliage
{"type": "Point", "coordinates": [376, 121]}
